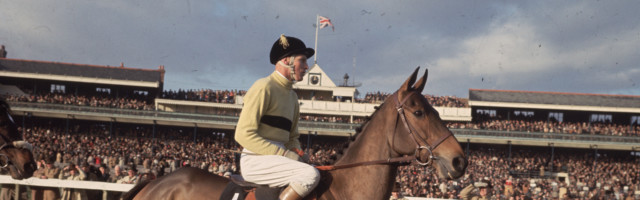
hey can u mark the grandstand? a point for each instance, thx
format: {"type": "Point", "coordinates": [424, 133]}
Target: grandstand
{"type": "Point", "coordinates": [129, 105]}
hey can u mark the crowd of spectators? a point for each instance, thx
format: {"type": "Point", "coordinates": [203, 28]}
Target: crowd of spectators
{"type": "Point", "coordinates": [81, 100]}
{"type": "Point", "coordinates": [91, 153]}
{"type": "Point", "coordinates": [207, 95]}
{"type": "Point", "coordinates": [118, 158]}
{"type": "Point", "coordinates": [525, 176]}
{"type": "Point", "coordinates": [332, 119]}
{"type": "Point", "coordinates": [595, 128]}
{"type": "Point", "coordinates": [443, 101]}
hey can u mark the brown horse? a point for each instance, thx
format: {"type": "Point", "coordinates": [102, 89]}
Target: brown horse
{"type": "Point", "coordinates": [16, 157]}
{"type": "Point", "coordinates": [405, 127]}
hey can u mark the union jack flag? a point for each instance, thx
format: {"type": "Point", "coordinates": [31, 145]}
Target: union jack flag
{"type": "Point", "coordinates": [324, 22]}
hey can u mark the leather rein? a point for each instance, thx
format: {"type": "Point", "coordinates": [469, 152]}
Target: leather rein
{"type": "Point", "coordinates": [421, 143]}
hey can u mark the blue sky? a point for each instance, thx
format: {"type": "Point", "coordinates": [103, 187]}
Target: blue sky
{"type": "Point", "coordinates": [560, 46]}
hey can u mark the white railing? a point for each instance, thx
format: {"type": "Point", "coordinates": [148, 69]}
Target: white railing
{"type": "Point", "coordinates": [87, 185]}
{"type": "Point", "coordinates": [57, 183]}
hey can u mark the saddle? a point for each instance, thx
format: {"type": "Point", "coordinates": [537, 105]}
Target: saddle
{"type": "Point", "coordinates": [240, 189]}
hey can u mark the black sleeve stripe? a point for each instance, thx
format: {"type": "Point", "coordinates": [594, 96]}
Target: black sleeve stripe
{"type": "Point", "coordinates": [277, 121]}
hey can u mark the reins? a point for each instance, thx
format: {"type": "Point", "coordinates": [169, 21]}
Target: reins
{"type": "Point", "coordinates": [400, 109]}
{"type": "Point", "coordinates": [375, 162]}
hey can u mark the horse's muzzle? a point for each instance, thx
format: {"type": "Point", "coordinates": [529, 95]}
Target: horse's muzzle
{"type": "Point", "coordinates": [459, 165]}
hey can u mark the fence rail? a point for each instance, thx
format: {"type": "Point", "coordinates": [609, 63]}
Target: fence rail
{"type": "Point", "coordinates": [57, 183]}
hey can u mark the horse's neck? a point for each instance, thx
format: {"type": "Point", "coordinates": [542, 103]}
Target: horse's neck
{"type": "Point", "coordinates": [365, 182]}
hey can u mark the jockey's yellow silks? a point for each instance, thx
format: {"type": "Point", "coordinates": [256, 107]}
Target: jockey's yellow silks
{"type": "Point", "coordinates": [270, 113]}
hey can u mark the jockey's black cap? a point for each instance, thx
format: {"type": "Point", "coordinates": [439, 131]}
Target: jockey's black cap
{"type": "Point", "coordinates": [287, 46]}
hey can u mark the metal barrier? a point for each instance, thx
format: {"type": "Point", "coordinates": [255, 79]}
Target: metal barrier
{"type": "Point", "coordinates": [57, 183]}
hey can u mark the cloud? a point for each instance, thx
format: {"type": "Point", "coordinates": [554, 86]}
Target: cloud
{"type": "Point", "coordinates": [534, 45]}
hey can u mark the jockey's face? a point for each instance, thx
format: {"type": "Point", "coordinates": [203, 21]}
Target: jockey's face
{"type": "Point", "coordinates": [301, 66]}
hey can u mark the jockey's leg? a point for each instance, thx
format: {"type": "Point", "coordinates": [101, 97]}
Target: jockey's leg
{"type": "Point", "coordinates": [279, 171]}
{"type": "Point", "coordinates": [289, 194]}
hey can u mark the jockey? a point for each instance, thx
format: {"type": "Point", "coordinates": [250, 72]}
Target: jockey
{"type": "Point", "coordinates": [268, 125]}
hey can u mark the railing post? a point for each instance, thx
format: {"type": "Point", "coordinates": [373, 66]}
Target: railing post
{"type": "Point", "coordinates": [154, 128]}
{"type": "Point", "coordinates": [308, 143]}
{"type": "Point", "coordinates": [195, 132]}
{"type": "Point", "coordinates": [24, 118]}
{"type": "Point", "coordinates": [509, 151]}
{"type": "Point", "coordinates": [553, 146]}
{"type": "Point", "coordinates": [466, 151]}
{"type": "Point", "coordinates": [67, 128]}
{"type": "Point", "coordinates": [17, 193]}
{"type": "Point", "coordinates": [105, 194]}
{"type": "Point", "coordinates": [111, 127]}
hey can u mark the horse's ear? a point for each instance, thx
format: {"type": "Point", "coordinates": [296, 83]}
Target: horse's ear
{"type": "Point", "coordinates": [422, 82]}
{"type": "Point", "coordinates": [409, 82]}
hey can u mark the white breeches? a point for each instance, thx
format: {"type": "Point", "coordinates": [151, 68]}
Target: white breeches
{"type": "Point", "coordinates": [278, 171]}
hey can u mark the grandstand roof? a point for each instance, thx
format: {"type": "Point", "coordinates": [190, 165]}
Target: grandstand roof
{"type": "Point", "coordinates": [555, 98]}
{"type": "Point", "coordinates": [81, 70]}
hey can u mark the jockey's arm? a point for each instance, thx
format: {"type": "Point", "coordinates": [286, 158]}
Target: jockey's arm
{"type": "Point", "coordinates": [254, 108]}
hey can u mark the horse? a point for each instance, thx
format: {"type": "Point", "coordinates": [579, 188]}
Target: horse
{"type": "Point", "coordinates": [404, 129]}
{"type": "Point", "coordinates": [16, 156]}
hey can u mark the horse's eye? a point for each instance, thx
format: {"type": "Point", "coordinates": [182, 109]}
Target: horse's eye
{"type": "Point", "coordinates": [418, 113]}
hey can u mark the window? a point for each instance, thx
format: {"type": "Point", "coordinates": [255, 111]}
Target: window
{"type": "Point", "coordinates": [602, 118]}
{"type": "Point", "coordinates": [523, 113]}
{"type": "Point", "coordinates": [56, 88]}
{"type": "Point", "coordinates": [103, 90]}
{"type": "Point", "coordinates": [487, 113]}
{"type": "Point", "coordinates": [556, 116]}
{"type": "Point", "coordinates": [635, 120]}
{"type": "Point", "coordinates": [140, 92]}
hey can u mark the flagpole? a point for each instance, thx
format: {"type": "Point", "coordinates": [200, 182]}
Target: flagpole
{"type": "Point", "coordinates": [315, 58]}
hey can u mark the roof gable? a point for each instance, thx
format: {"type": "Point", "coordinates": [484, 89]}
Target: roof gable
{"type": "Point", "coordinates": [316, 77]}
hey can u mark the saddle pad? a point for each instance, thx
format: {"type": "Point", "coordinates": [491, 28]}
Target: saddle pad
{"type": "Point", "coordinates": [234, 191]}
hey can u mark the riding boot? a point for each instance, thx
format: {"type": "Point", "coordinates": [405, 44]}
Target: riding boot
{"type": "Point", "coordinates": [289, 194]}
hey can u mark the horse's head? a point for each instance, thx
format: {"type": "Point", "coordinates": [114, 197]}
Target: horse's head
{"type": "Point", "coordinates": [15, 153]}
{"type": "Point", "coordinates": [419, 130]}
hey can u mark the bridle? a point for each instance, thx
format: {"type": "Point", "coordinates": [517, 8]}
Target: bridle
{"type": "Point", "coordinates": [19, 144]}
{"type": "Point", "coordinates": [416, 138]}
{"type": "Point", "coordinates": [421, 143]}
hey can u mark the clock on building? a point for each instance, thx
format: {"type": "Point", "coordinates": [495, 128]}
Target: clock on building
{"type": "Point", "coordinates": [315, 79]}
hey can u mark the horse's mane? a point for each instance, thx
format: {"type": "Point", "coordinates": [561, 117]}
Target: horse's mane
{"type": "Point", "coordinates": [353, 138]}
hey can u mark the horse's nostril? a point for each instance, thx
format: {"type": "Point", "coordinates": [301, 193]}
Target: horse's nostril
{"type": "Point", "coordinates": [459, 163]}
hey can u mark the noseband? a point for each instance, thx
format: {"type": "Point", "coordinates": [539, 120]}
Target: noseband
{"type": "Point", "coordinates": [421, 143]}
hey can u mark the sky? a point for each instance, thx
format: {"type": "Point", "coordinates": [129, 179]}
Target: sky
{"type": "Point", "coordinates": [557, 46]}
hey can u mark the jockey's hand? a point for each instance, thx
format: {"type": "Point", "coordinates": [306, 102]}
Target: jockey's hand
{"type": "Point", "coordinates": [303, 157]}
